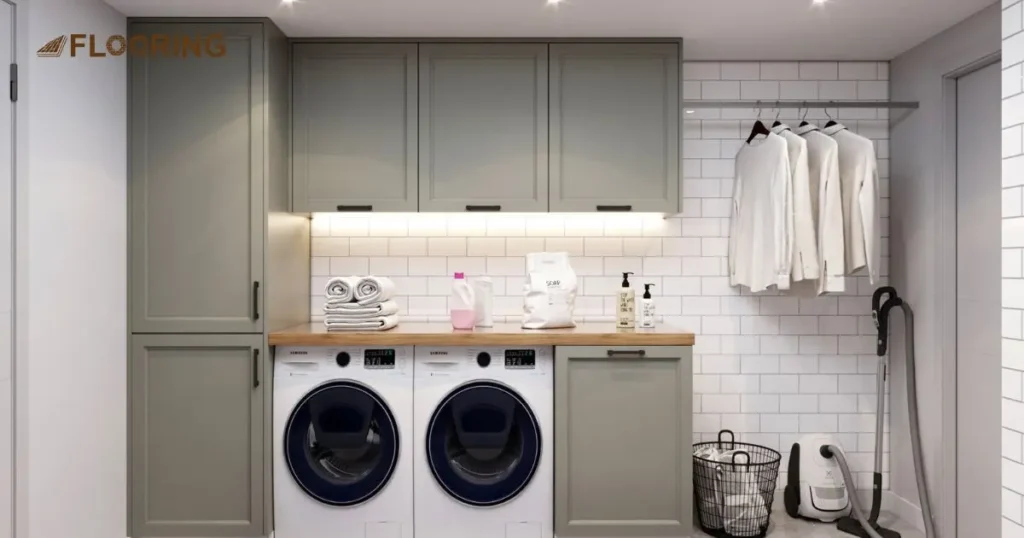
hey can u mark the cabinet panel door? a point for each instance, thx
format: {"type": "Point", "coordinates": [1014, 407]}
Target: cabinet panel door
{"type": "Point", "coordinates": [615, 127]}
{"type": "Point", "coordinates": [354, 126]}
{"type": "Point", "coordinates": [197, 449]}
{"type": "Point", "coordinates": [606, 399]}
{"type": "Point", "coordinates": [196, 181]}
{"type": "Point", "coordinates": [484, 127]}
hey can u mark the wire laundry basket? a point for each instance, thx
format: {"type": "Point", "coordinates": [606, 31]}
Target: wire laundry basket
{"type": "Point", "coordinates": [734, 487]}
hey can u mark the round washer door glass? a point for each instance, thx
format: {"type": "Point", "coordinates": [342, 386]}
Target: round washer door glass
{"type": "Point", "coordinates": [341, 443]}
{"type": "Point", "coordinates": [483, 443]}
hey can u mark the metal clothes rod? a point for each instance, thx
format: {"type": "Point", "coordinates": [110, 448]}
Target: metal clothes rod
{"type": "Point", "coordinates": [799, 104]}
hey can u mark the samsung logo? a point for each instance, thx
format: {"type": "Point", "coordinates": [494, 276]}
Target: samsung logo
{"type": "Point", "coordinates": [432, 353]}
{"type": "Point", "coordinates": [298, 353]}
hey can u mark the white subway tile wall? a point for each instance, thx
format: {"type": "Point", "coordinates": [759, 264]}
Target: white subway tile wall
{"type": "Point", "coordinates": [770, 367]}
{"type": "Point", "coordinates": [1013, 271]}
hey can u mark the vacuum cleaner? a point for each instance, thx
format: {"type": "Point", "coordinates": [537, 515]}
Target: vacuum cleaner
{"type": "Point", "coordinates": [811, 493]}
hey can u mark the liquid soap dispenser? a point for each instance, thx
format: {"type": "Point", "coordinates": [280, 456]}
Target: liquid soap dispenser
{"type": "Point", "coordinates": [627, 304]}
{"type": "Point", "coordinates": [647, 308]}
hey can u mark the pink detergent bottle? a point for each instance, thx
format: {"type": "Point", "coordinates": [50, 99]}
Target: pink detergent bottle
{"type": "Point", "coordinates": [462, 303]}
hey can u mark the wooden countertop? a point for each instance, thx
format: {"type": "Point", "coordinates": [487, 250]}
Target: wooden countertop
{"type": "Point", "coordinates": [442, 334]}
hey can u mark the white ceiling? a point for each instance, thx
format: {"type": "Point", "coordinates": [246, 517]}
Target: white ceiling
{"type": "Point", "coordinates": [711, 29]}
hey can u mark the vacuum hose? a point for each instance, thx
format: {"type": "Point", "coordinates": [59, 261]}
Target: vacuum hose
{"type": "Point", "coordinates": [854, 500]}
{"type": "Point", "coordinates": [915, 432]}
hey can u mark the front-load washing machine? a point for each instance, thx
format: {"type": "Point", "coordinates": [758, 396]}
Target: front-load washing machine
{"type": "Point", "coordinates": [343, 442]}
{"type": "Point", "coordinates": [483, 429]}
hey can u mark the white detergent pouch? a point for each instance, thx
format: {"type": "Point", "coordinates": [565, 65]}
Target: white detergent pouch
{"type": "Point", "coordinates": [550, 291]}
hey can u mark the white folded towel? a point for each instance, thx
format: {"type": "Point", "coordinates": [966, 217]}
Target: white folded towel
{"type": "Point", "coordinates": [373, 289]}
{"type": "Point", "coordinates": [379, 323]}
{"type": "Point", "coordinates": [341, 288]}
{"type": "Point", "coordinates": [339, 308]}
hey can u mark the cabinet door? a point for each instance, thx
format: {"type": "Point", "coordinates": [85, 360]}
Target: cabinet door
{"type": "Point", "coordinates": [197, 452]}
{"type": "Point", "coordinates": [354, 127]}
{"type": "Point", "coordinates": [623, 434]}
{"type": "Point", "coordinates": [196, 181]}
{"type": "Point", "coordinates": [615, 127]}
{"type": "Point", "coordinates": [484, 127]}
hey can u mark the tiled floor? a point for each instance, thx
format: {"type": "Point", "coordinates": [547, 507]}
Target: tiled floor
{"type": "Point", "coordinates": [785, 527]}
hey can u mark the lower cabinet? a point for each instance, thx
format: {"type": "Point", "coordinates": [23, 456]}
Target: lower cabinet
{"type": "Point", "coordinates": [623, 435]}
{"type": "Point", "coordinates": [197, 435]}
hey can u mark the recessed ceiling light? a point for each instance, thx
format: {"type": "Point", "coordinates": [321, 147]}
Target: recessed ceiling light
{"type": "Point", "coordinates": [554, 2]}
{"type": "Point", "coordinates": [819, 2]}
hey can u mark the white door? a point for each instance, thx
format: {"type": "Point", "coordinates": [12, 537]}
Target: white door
{"type": "Point", "coordinates": [6, 272]}
{"type": "Point", "coordinates": [978, 293]}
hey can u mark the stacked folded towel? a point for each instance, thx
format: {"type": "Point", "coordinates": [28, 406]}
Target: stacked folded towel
{"type": "Point", "coordinates": [360, 303]}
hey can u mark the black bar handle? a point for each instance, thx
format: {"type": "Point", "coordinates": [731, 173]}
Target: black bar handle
{"type": "Point", "coordinates": [255, 300]}
{"type": "Point", "coordinates": [355, 208]}
{"type": "Point", "coordinates": [483, 208]}
{"type": "Point", "coordinates": [255, 368]}
{"type": "Point", "coordinates": [638, 353]}
{"type": "Point", "coordinates": [614, 208]}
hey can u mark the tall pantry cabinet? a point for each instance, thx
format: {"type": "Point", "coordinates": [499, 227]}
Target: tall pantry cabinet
{"type": "Point", "coordinates": [216, 263]}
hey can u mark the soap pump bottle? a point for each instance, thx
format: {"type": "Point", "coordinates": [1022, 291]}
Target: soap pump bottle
{"type": "Point", "coordinates": [627, 304]}
{"type": "Point", "coordinates": [647, 308]}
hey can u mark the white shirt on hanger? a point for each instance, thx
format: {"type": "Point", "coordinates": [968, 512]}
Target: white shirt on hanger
{"type": "Point", "coordinates": [760, 251]}
{"type": "Point", "coordinates": [805, 247]}
{"type": "Point", "coordinates": [826, 207]}
{"type": "Point", "coordinates": [858, 173]}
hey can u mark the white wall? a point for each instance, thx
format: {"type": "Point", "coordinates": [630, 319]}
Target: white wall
{"type": "Point", "coordinates": [769, 367]}
{"type": "Point", "coordinates": [1013, 270]}
{"type": "Point", "coordinates": [72, 282]}
{"type": "Point", "coordinates": [923, 249]}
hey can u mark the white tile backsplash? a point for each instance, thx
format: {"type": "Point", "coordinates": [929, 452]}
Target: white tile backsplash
{"type": "Point", "coordinates": [769, 366]}
{"type": "Point", "coordinates": [1012, 271]}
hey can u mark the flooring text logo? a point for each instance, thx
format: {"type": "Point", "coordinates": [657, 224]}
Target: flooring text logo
{"type": "Point", "coordinates": [142, 45]}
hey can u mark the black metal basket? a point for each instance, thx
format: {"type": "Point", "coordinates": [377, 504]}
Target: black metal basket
{"type": "Point", "coordinates": [734, 497]}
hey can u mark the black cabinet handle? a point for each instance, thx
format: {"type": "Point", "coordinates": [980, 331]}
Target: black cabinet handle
{"type": "Point", "coordinates": [355, 208]}
{"type": "Point", "coordinates": [256, 301]}
{"type": "Point", "coordinates": [614, 208]}
{"type": "Point", "coordinates": [639, 354]}
{"type": "Point", "coordinates": [255, 368]}
{"type": "Point", "coordinates": [483, 208]}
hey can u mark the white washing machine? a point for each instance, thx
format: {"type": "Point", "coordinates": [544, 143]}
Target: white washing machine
{"type": "Point", "coordinates": [343, 422]}
{"type": "Point", "coordinates": [484, 458]}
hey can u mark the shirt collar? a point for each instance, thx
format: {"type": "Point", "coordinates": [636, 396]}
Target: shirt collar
{"type": "Point", "coordinates": [780, 128]}
{"type": "Point", "coordinates": [834, 129]}
{"type": "Point", "coordinates": [804, 129]}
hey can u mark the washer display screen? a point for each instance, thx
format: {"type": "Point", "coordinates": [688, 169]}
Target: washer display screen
{"type": "Point", "coordinates": [379, 359]}
{"type": "Point", "coordinates": [525, 359]}
{"type": "Point", "coordinates": [341, 443]}
{"type": "Point", "coordinates": [483, 443]}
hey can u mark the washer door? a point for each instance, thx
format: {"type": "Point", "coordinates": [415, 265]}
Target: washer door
{"type": "Point", "coordinates": [341, 443]}
{"type": "Point", "coordinates": [483, 443]}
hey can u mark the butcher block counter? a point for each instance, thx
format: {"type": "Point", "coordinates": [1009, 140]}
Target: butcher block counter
{"type": "Point", "coordinates": [442, 334]}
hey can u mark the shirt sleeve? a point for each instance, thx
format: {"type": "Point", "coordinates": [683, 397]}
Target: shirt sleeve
{"type": "Point", "coordinates": [805, 248]}
{"type": "Point", "coordinates": [831, 241]}
{"type": "Point", "coordinates": [871, 214]}
{"type": "Point", "coordinates": [782, 206]}
{"type": "Point", "coordinates": [737, 189]}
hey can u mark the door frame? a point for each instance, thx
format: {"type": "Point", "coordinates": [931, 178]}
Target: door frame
{"type": "Point", "coordinates": [946, 252]}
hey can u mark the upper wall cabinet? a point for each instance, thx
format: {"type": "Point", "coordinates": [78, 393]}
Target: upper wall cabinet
{"type": "Point", "coordinates": [354, 127]}
{"type": "Point", "coordinates": [483, 127]}
{"type": "Point", "coordinates": [615, 127]}
{"type": "Point", "coordinates": [196, 140]}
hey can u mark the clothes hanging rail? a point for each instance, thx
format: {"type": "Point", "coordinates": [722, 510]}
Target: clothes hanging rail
{"type": "Point", "coordinates": [812, 104]}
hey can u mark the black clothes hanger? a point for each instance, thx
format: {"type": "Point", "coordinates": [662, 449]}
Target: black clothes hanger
{"type": "Point", "coordinates": [778, 112]}
{"type": "Point", "coordinates": [759, 128]}
{"type": "Point", "coordinates": [803, 119]}
{"type": "Point", "coordinates": [831, 121]}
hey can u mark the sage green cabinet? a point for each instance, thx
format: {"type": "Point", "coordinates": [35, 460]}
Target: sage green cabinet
{"type": "Point", "coordinates": [615, 127]}
{"type": "Point", "coordinates": [197, 435]}
{"type": "Point", "coordinates": [354, 127]}
{"type": "Point", "coordinates": [623, 434]}
{"type": "Point", "coordinates": [197, 217]}
{"type": "Point", "coordinates": [483, 127]}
